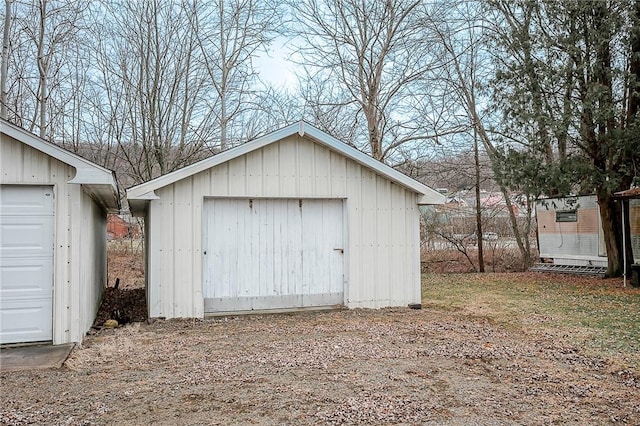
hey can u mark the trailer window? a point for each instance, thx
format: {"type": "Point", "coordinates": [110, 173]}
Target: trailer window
{"type": "Point", "coordinates": [566, 215]}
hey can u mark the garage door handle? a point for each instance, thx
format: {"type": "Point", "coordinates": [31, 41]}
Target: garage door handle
{"type": "Point", "coordinates": [340, 250]}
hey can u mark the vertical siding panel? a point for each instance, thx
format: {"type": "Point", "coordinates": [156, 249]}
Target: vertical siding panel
{"type": "Point", "coordinates": [219, 180]}
{"type": "Point", "coordinates": [254, 174]}
{"type": "Point", "coordinates": [11, 160]}
{"type": "Point", "coordinates": [77, 258]}
{"type": "Point", "coordinates": [271, 170]}
{"type": "Point", "coordinates": [306, 170]}
{"type": "Point", "coordinates": [63, 284]}
{"type": "Point", "coordinates": [93, 258]}
{"type": "Point", "coordinates": [59, 259]}
{"type": "Point", "coordinates": [167, 244]}
{"type": "Point", "coordinates": [383, 236]}
{"type": "Point", "coordinates": [263, 253]}
{"type": "Point", "coordinates": [294, 218]}
{"type": "Point", "coordinates": [183, 278]}
{"type": "Point", "coordinates": [228, 232]}
{"type": "Point", "coordinates": [335, 223]}
{"type": "Point", "coordinates": [368, 204]}
{"type": "Point", "coordinates": [413, 273]}
{"type": "Point", "coordinates": [288, 166]}
{"type": "Point", "coordinates": [237, 177]}
{"type": "Point", "coordinates": [355, 259]}
{"type": "Point", "coordinates": [269, 248]}
{"type": "Point", "coordinates": [338, 175]}
{"type": "Point", "coordinates": [212, 257]}
{"type": "Point", "coordinates": [398, 242]}
{"type": "Point", "coordinates": [36, 164]}
{"type": "Point", "coordinates": [416, 292]}
{"type": "Point", "coordinates": [412, 264]}
{"type": "Point", "coordinates": [93, 277]}
{"type": "Point", "coordinates": [280, 221]}
{"type": "Point", "coordinates": [201, 187]}
{"type": "Point", "coordinates": [243, 244]}
{"type": "Point", "coordinates": [255, 244]}
{"type": "Point", "coordinates": [154, 248]}
{"type": "Point", "coordinates": [309, 256]}
{"type": "Point", "coordinates": [322, 168]}
{"type": "Point", "coordinates": [87, 258]}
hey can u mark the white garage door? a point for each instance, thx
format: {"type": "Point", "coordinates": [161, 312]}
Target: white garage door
{"type": "Point", "coordinates": [26, 263]}
{"type": "Point", "coordinates": [272, 253]}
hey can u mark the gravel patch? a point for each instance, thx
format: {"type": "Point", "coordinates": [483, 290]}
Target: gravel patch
{"type": "Point", "coordinates": [389, 366]}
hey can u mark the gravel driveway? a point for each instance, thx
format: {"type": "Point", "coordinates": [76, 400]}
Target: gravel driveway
{"type": "Point", "coordinates": [391, 366]}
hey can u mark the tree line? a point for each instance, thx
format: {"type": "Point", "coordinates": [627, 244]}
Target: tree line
{"type": "Point", "coordinates": [548, 91]}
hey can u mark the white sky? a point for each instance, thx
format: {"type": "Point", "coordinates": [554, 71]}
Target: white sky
{"type": "Point", "coordinates": [274, 68]}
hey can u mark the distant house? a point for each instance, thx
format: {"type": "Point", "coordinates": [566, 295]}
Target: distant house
{"type": "Point", "coordinates": [53, 215]}
{"type": "Point", "coordinates": [570, 231]}
{"type": "Point", "coordinates": [118, 228]}
{"type": "Point", "coordinates": [294, 219]}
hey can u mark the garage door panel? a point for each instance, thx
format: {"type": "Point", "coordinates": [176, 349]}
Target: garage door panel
{"type": "Point", "coordinates": [26, 263]}
{"type": "Point", "coordinates": [18, 199]}
{"type": "Point", "coordinates": [25, 236]}
{"type": "Point", "coordinates": [25, 278]}
{"type": "Point", "coordinates": [272, 253]}
{"type": "Point", "coordinates": [26, 321]}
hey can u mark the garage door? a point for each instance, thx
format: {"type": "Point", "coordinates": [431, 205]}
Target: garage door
{"type": "Point", "coordinates": [272, 253]}
{"type": "Point", "coordinates": [26, 263]}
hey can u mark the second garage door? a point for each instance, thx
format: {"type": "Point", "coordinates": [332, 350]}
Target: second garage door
{"type": "Point", "coordinates": [272, 253]}
{"type": "Point", "coordinates": [26, 263]}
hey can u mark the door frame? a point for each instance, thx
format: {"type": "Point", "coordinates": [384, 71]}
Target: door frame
{"type": "Point", "coordinates": [205, 240]}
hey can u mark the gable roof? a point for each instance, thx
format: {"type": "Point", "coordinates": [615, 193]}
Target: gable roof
{"type": "Point", "coordinates": [99, 182]}
{"type": "Point", "coordinates": [145, 191]}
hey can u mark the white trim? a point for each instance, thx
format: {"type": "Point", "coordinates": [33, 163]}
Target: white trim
{"type": "Point", "coordinates": [426, 195]}
{"type": "Point", "coordinates": [101, 180]}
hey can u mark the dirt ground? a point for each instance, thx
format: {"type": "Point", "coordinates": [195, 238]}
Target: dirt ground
{"type": "Point", "coordinates": [390, 366]}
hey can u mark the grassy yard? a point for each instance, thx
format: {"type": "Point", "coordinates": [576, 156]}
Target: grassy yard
{"type": "Point", "coordinates": [599, 316]}
{"type": "Point", "coordinates": [520, 348]}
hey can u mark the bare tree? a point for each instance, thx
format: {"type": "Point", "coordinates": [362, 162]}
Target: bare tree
{"type": "Point", "coordinates": [5, 60]}
{"type": "Point", "coordinates": [153, 98]}
{"type": "Point", "coordinates": [369, 54]}
{"type": "Point", "coordinates": [43, 30]}
{"type": "Point", "coordinates": [229, 33]}
{"type": "Point", "coordinates": [460, 38]}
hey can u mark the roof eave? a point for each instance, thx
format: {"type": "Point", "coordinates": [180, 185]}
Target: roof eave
{"type": "Point", "coordinates": [99, 182]}
{"type": "Point", "coordinates": [426, 195]}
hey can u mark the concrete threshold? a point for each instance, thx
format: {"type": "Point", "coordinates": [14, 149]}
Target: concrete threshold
{"type": "Point", "coordinates": [34, 357]}
{"type": "Point", "coordinates": [275, 311]}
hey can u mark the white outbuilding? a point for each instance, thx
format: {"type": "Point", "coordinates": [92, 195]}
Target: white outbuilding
{"type": "Point", "coordinates": [53, 209]}
{"type": "Point", "coordinates": [291, 220]}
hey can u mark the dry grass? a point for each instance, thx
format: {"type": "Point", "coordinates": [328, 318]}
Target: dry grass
{"type": "Point", "coordinates": [600, 316]}
{"type": "Point", "coordinates": [125, 260]}
{"type": "Point", "coordinates": [390, 366]}
{"type": "Point", "coordinates": [496, 258]}
{"type": "Point", "coordinates": [486, 349]}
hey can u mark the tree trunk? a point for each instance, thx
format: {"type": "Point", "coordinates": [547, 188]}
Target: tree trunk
{"type": "Point", "coordinates": [609, 213]}
{"type": "Point", "coordinates": [478, 206]}
{"type": "Point", "coordinates": [42, 70]}
{"type": "Point", "coordinates": [5, 60]}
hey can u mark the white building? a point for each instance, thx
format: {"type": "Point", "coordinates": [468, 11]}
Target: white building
{"type": "Point", "coordinates": [294, 219]}
{"type": "Point", "coordinates": [53, 209]}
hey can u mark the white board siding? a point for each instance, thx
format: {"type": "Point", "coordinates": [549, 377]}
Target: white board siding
{"type": "Point", "coordinates": [291, 168]}
{"type": "Point", "coordinates": [75, 260]}
{"type": "Point", "coordinates": [272, 253]}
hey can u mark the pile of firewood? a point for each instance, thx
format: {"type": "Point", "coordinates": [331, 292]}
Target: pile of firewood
{"type": "Point", "coordinates": [123, 306]}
